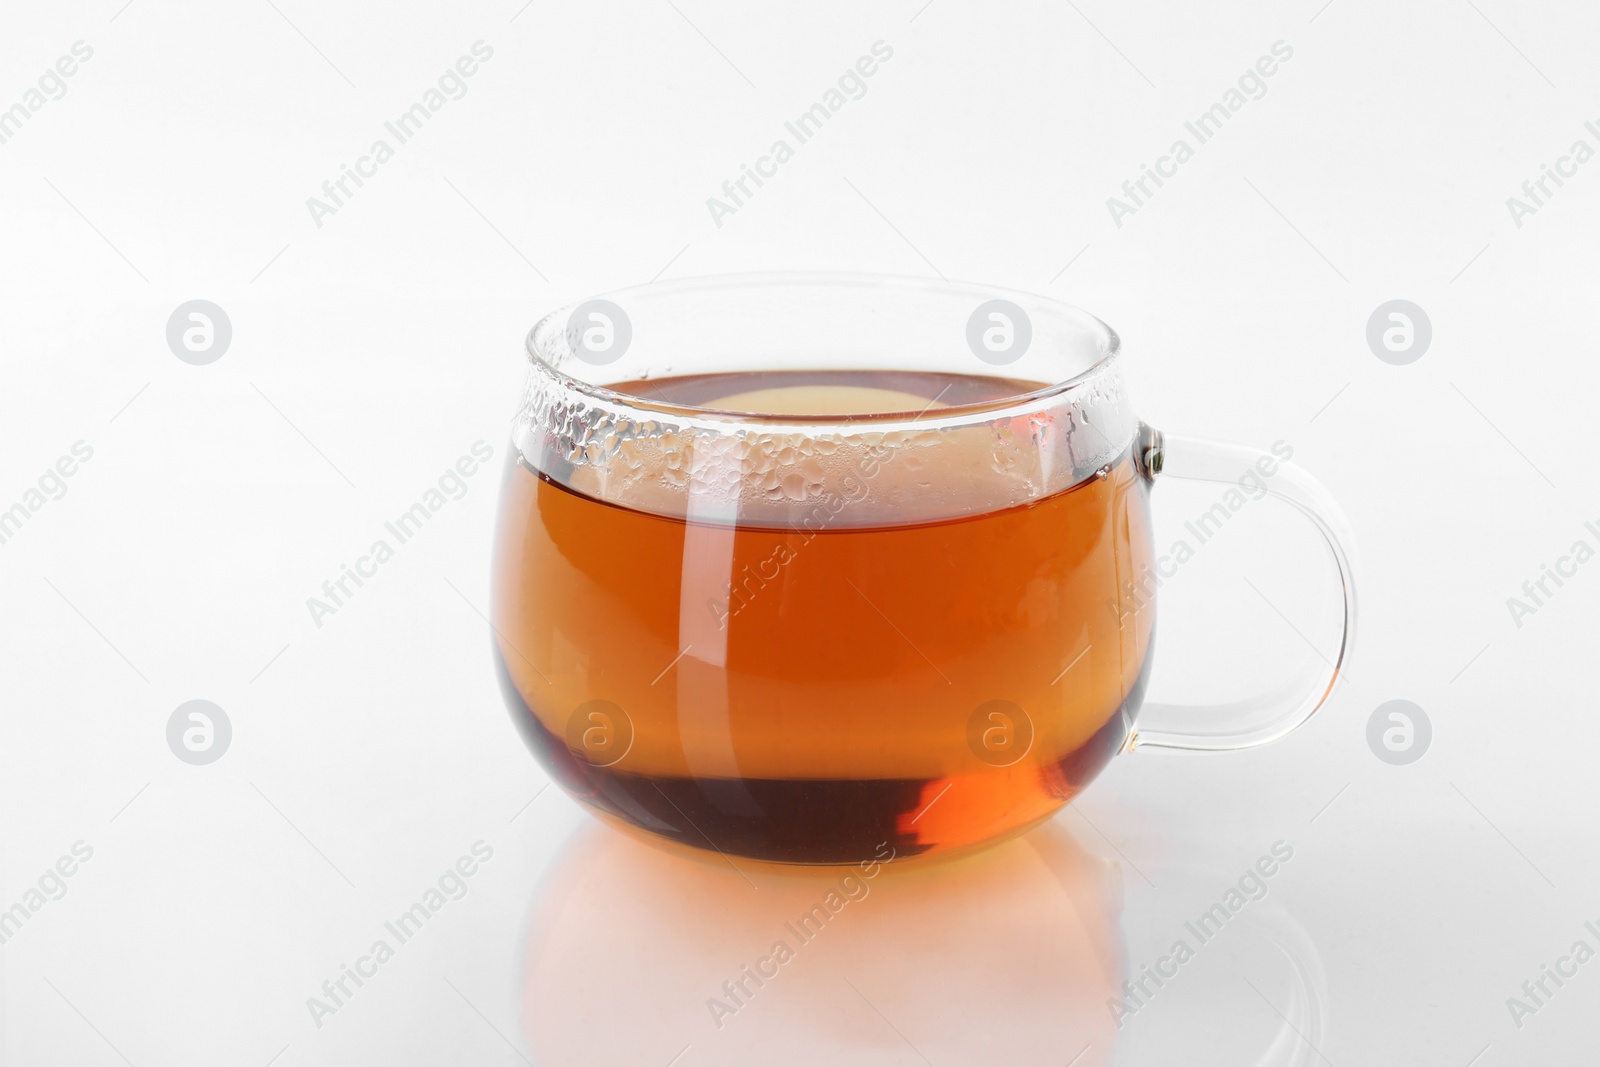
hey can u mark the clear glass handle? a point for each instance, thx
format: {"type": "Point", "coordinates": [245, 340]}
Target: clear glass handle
{"type": "Point", "coordinates": [1266, 717]}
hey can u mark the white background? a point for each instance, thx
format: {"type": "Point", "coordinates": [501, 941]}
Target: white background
{"type": "Point", "coordinates": [369, 353]}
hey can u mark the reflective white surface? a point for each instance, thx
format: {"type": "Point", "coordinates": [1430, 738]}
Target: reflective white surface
{"type": "Point", "coordinates": [371, 753]}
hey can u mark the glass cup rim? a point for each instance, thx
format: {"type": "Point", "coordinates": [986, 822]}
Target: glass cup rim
{"type": "Point", "coordinates": [544, 359]}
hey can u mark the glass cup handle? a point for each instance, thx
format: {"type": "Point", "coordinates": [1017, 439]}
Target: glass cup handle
{"type": "Point", "coordinates": [1266, 717]}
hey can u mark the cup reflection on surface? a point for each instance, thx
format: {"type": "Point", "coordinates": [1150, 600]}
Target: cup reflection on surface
{"type": "Point", "coordinates": [637, 953]}
{"type": "Point", "coordinates": [1251, 993]}
{"type": "Point", "coordinates": [1009, 956]}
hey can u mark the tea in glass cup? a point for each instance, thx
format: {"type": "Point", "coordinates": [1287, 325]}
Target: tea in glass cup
{"type": "Point", "coordinates": [809, 566]}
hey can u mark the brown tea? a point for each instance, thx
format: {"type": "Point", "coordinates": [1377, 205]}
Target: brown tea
{"type": "Point", "coordinates": [822, 665]}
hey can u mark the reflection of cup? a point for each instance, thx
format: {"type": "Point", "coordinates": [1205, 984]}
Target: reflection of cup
{"type": "Point", "coordinates": [1008, 957]}
{"type": "Point", "coordinates": [1031, 952]}
{"type": "Point", "coordinates": [842, 560]}
{"type": "Point", "coordinates": [1217, 975]}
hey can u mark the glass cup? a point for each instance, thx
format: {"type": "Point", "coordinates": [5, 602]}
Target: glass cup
{"type": "Point", "coordinates": [802, 567]}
